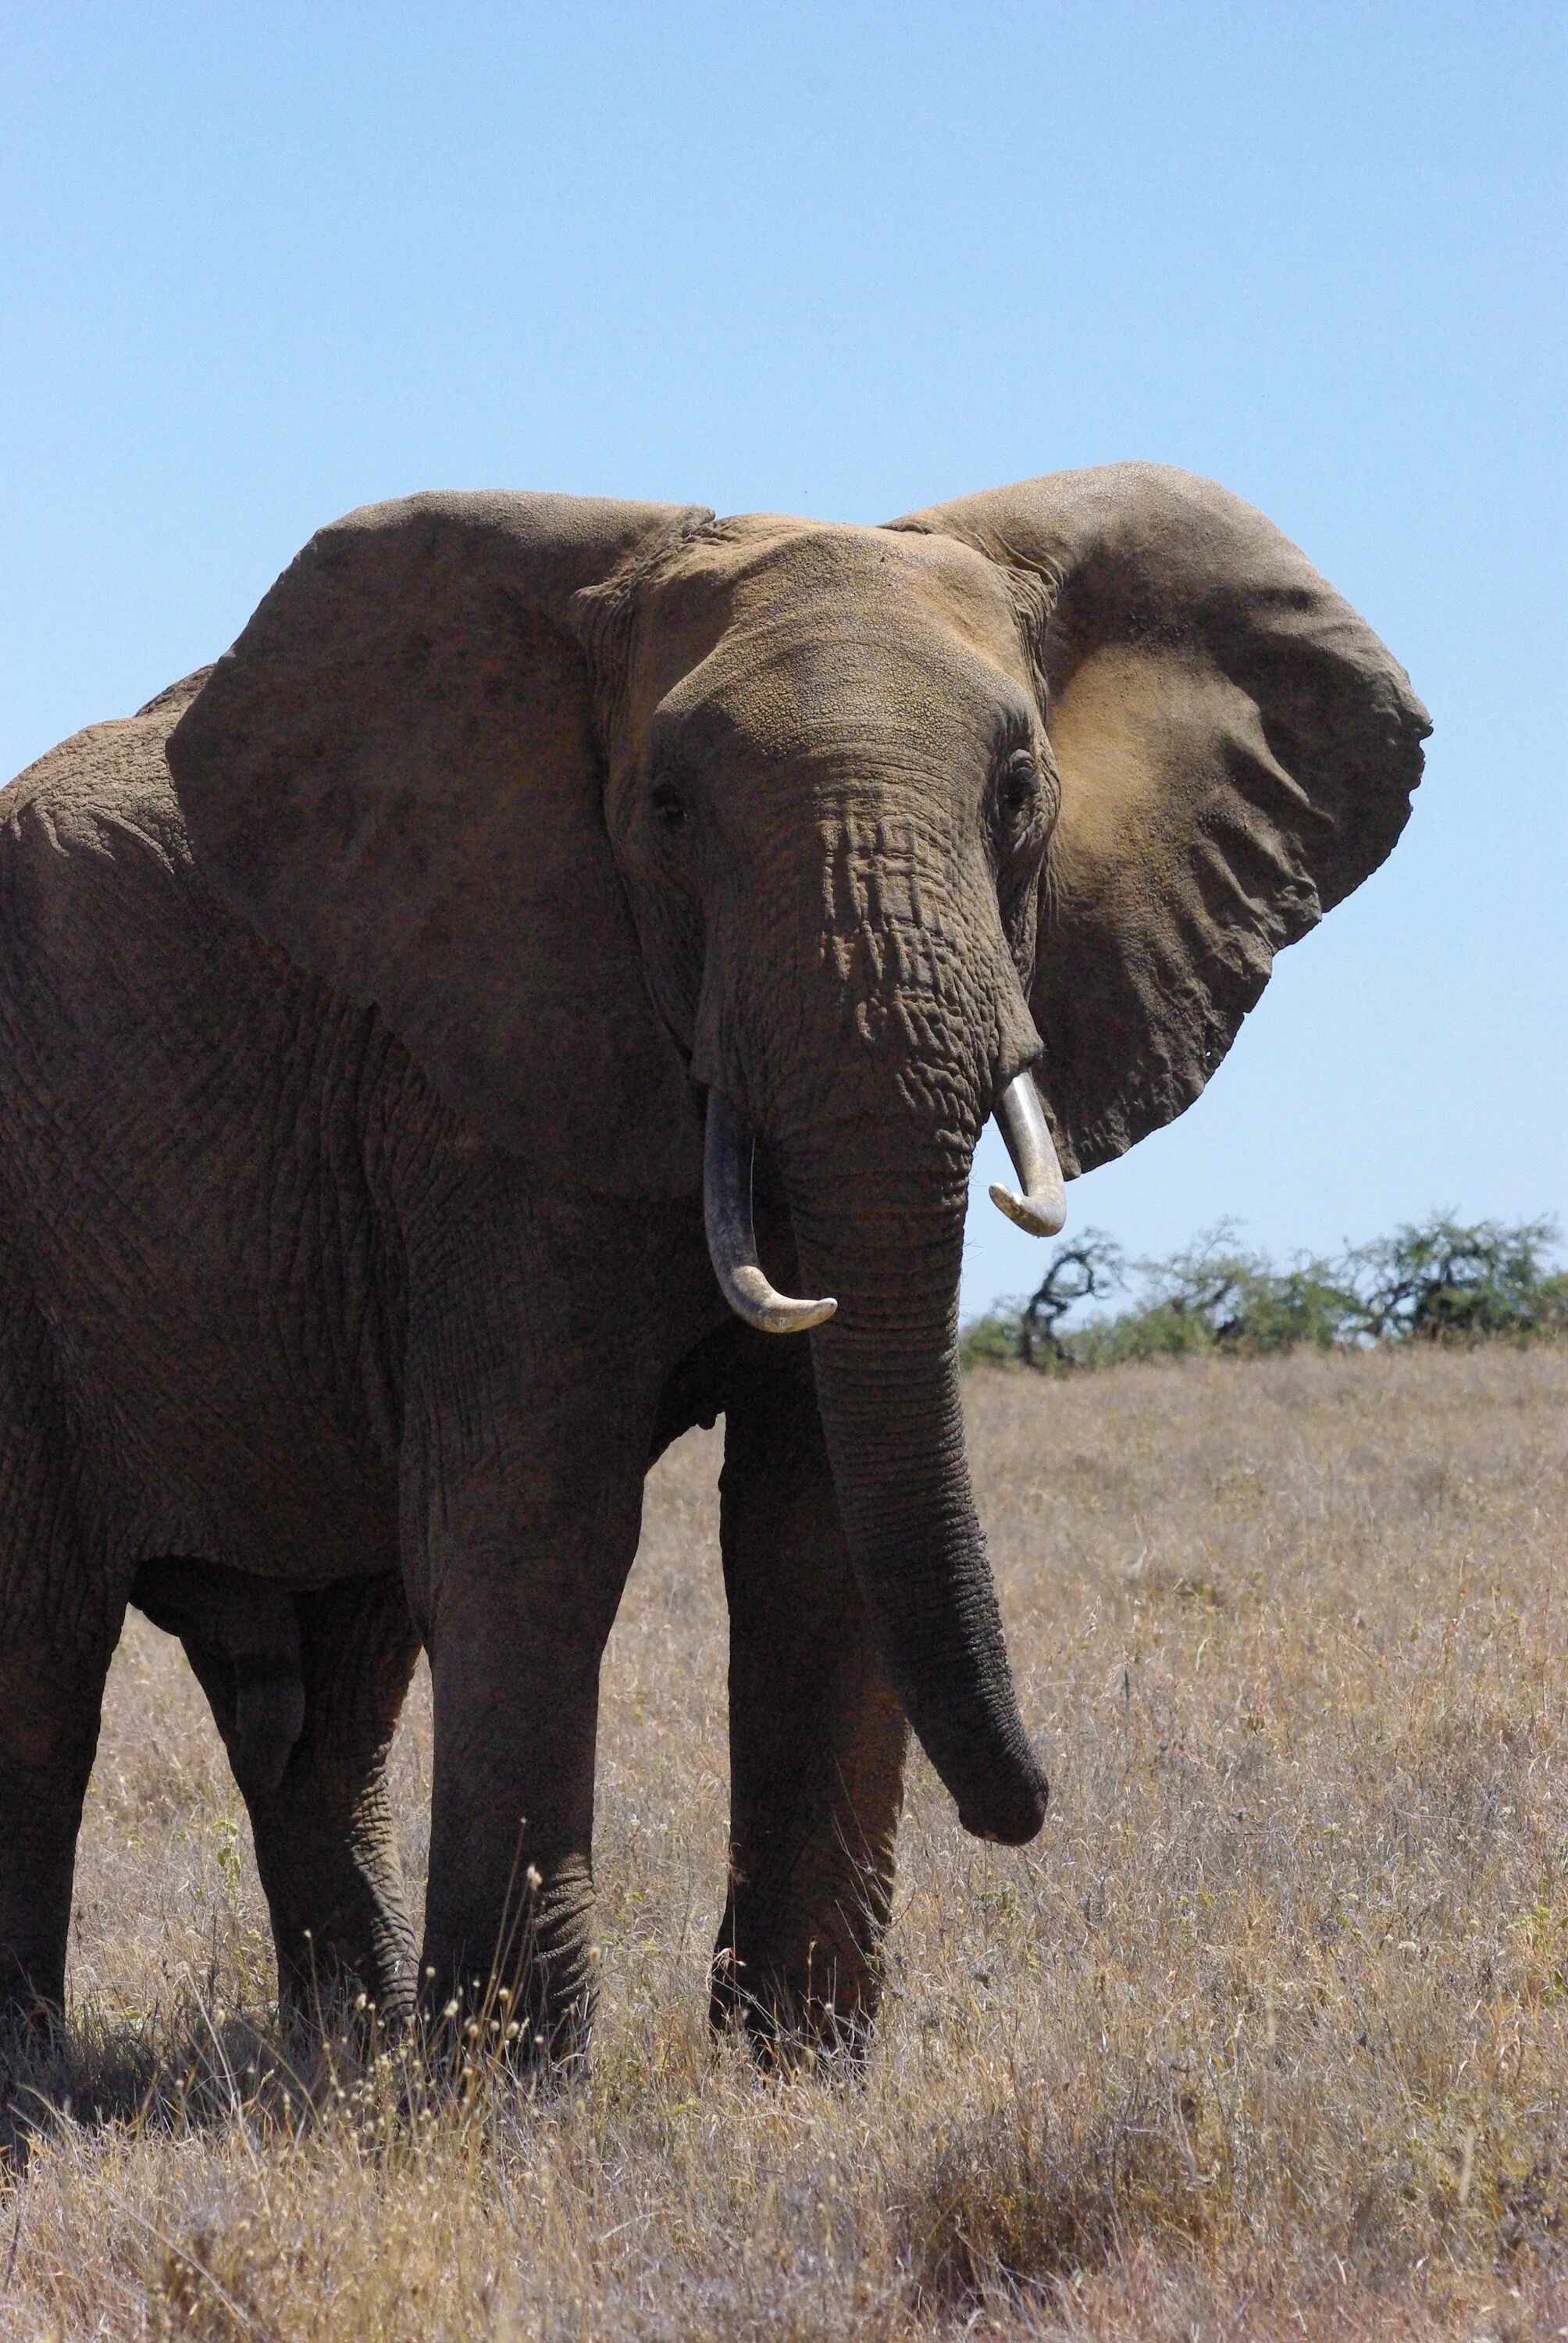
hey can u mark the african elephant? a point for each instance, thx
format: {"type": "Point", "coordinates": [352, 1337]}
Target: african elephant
{"type": "Point", "coordinates": [419, 1029]}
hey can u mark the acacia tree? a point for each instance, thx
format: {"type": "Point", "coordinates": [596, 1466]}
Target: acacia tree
{"type": "Point", "coordinates": [1085, 1271]}
{"type": "Point", "coordinates": [1217, 1295]}
{"type": "Point", "coordinates": [1437, 1280]}
{"type": "Point", "coordinates": [1440, 1282]}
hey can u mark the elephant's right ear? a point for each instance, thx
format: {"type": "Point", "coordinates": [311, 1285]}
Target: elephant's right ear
{"type": "Point", "coordinates": [395, 775]}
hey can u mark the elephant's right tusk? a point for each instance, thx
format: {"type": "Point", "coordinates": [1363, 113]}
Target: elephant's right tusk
{"type": "Point", "coordinates": [1042, 1207]}
{"type": "Point", "coordinates": [727, 1148]}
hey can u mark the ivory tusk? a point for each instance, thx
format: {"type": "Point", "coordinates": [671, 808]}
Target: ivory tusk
{"type": "Point", "coordinates": [1041, 1208]}
{"type": "Point", "coordinates": [727, 1150]}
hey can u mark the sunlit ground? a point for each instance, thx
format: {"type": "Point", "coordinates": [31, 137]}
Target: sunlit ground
{"type": "Point", "coordinates": [1265, 2035]}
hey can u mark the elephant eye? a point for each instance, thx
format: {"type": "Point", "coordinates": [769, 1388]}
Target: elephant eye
{"type": "Point", "coordinates": [1018, 787]}
{"type": "Point", "coordinates": [667, 805]}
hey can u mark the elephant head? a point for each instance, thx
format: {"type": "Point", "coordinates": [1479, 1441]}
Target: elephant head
{"type": "Point", "coordinates": [609, 807]}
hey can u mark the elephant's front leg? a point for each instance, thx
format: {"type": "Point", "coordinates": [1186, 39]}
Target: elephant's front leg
{"type": "Point", "coordinates": [526, 1443]}
{"type": "Point", "coordinates": [542, 1331]}
{"type": "Point", "coordinates": [509, 1910]}
{"type": "Point", "coordinates": [817, 1738]}
{"type": "Point", "coordinates": [517, 1642]}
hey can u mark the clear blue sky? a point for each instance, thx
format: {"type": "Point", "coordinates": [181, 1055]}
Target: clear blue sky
{"type": "Point", "coordinates": [260, 264]}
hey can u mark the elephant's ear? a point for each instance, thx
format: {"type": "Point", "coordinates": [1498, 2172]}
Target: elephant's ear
{"type": "Point", "coordinates": [395, 776]}
{"type": "Point", "coordinates": [1237, 751]}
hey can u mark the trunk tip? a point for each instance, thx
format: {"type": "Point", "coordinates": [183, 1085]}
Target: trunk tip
{"type": "Point", "coordinates": [1013, 1818]}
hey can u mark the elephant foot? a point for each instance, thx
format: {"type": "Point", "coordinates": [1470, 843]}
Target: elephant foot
{"type": "Point", "coordinates": [353, 1970]}
{"type": "Point", "coordinates": [815, 2013]}
{"type": "Point", "coordinates": [485, 2030]}
{"type": "Point", "coordinates": [529, 2008]}
{"type": "Point", "coordinates": [32, 2021]}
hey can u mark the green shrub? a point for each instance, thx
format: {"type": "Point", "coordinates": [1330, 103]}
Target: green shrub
{"type": "Point", "coordinates": [991, 1341]}
{"type": "Point", "coordinates": [1215, 1296]}
{"type": "Point", "coordinates": [1433, 1281]}
{"type": "Point", "coordinates": [1440, 1282]}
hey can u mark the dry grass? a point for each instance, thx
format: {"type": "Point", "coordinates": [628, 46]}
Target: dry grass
{"type": "Point", "coordinates": [1266, 2035]}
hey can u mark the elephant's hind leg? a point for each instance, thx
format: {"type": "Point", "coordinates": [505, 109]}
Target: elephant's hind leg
{"type": "Point", "coordinates": [59, 1622]}
{"type": "Point", "coordinates": [817, 1740]}
{"type": "Point", "coordinates": [50, 1703]}
{"type": "Point", "coordinates": [325, 1845]}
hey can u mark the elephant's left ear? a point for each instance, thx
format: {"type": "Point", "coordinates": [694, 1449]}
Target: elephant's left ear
{"type": "Point", "coordinates": [1237, 752]}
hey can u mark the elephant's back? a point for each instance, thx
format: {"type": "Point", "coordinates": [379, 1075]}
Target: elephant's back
{"type": "Point", "coordinates": [90, 835]}
{"type": "Point", "coordinates": [105, 770]}
{"type": "Point", "coordinates": [107, 925]}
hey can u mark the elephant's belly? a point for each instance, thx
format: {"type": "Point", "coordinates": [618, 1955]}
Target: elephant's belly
{"type": "Point", "coordinates": [242, 1465]}
{"type": "Point", "coordinates": [225, 1408]}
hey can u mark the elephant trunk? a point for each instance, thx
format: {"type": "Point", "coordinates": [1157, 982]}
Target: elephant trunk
{"type": "Point", "coordinates": [867, 1054]}
{"type": "Point", "coordinates": [888, 1386]}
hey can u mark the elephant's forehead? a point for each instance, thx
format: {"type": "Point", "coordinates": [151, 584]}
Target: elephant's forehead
{"type": "Point", "coordinates": [777, 621]}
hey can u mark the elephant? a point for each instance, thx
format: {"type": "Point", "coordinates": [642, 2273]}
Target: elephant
{"type": "Point", "coordinates": [541, 990]}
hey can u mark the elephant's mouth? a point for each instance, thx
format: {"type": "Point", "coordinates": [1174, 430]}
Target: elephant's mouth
{"type": "Point", "coordinates": [1039, 1205]}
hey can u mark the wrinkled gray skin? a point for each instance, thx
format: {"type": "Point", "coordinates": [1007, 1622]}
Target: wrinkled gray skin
{"type": "Point", "coordinates": [352, 1265]}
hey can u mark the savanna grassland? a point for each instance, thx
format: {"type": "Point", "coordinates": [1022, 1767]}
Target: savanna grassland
{"type": "Point", "coordinates": [1266, 2035]}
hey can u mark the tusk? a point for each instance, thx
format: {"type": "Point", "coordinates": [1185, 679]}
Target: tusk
{"type": "Point", "coordinates": [1042, 1207]}
{"type": "Point", "coordinates": [728, 1146]}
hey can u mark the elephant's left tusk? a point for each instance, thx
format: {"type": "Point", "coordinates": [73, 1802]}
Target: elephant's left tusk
{"type": "Point", "coordinates": [727, 1148]}
{"type": "Point", "coordinates": [1042, 1207]}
